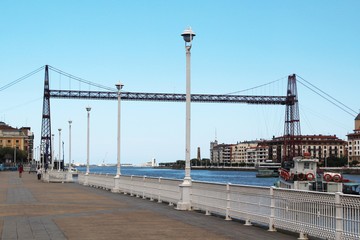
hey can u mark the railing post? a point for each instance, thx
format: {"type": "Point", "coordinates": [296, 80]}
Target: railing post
{"type": "Point", "coordinates": [339, 216]}
{"type": "Point", "coordinates": [159, 191]}
{"type": "Point", "coordinates": [228, 202]}
{"type": "Point", "coordinates": [272, 210]}
{"type": "Point", "coordinates": [116, 188]}
{"type": "Point", "coordinates": [143, 193]}
{"type": "Point", "coordinates": [131, 186]}
{"type": "Point", "coordinates": [86, 179]}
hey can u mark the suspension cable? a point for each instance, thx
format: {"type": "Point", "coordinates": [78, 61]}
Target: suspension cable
{"type": "Point", "coordinates": [21, 79]}
{"type": "Point", "coordinates": [328, 98]}
{"type": "Point", "coordinates": [256, 86]}
{"type": "Point", "coordinates": [327, 95]}
{"type": "Point", "coordinates": [80, 79]}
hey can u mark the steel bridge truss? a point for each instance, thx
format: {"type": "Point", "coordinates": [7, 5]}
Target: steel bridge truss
{"type": "Point", "coordinates": [169, 97]}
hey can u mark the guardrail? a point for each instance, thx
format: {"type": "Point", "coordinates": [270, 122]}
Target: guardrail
{"type": "Point", "coordinates": [324, 215]}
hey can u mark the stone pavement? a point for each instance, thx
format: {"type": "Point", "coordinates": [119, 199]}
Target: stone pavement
{"type": "Point", "coordinates": [32, 209]}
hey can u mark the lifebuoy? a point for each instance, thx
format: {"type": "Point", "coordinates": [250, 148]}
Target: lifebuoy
{"type": "Point", "coordinates": [301, 176]}
{"type": "Point", "coordinates": [327, 177]}
{"type": "Point", "coordinates": [310, 176]}
{"type": "Point", "coordinates": [287, 176]}
{"type": "Point", "coordinates": [337, 178]}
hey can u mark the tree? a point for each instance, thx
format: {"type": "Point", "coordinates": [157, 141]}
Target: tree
{"type": "Point", "coordinates": [334, 161]}
{"type": "Point", "coordinates": [8, 152]}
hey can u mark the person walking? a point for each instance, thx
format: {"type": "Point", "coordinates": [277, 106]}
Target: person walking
{"type": "Point", "coordinates": [21, 169]}
{"type": "Point", "coordinates": [38, 173]}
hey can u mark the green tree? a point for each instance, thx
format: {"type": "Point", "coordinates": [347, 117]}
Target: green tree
{"type": "Point", "coordinates": [8, 152]}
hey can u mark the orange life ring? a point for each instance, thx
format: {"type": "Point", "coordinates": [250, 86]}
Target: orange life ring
{"type": "Point", "coordinates": [327, 177]}
{"type": "Point", "coordinates": [337, 178]}
{"type": "Point", "coordinates": [310, 176]}
{"type": "Point", "coordinates": [301, 176]}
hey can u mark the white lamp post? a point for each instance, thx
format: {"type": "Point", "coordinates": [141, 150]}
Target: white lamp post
{"type": "Point", "coordinates": [52, 152]}
{"type": "Point", "coordinates": [86, 178]}
{"type": "Point", "coordinates": [119, 85]}
{"type": "Point", "coordinates": [184, 203]}
{"type": "Point", "coordinates": [69, 168]}
{"type": "Point", "coordinates": [59, 162]}
{"type": "Point", "coordinates": [88, 108]}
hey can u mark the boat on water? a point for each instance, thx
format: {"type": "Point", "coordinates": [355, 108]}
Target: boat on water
{"type": "Point", "coordinates": [305, 175]}
{"type": "Point", "coordinates": [267, 173]}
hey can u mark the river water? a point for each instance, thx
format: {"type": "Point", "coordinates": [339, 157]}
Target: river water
{"type": "Point", "coordinates": [234, 177]}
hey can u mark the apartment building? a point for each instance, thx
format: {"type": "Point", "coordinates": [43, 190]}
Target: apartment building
{"type": "Point", "coordinates": [354, 142]}
{"type": "Point", "coordinates": [319, 146]}
{"type": "Point", "coordinates": [22, 138]}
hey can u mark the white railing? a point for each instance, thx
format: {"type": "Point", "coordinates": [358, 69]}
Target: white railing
{"type": "Point", "coordinates": [324, 215]}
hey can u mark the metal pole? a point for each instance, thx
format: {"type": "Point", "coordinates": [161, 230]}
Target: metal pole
{"type": "Point", "coordinates": [119, 86]}
{"type": "Point", "coordinates": [88, 108]}
{"type": "Point", "coordinates": [15, 155]}
{"type": "Point", "coordinates": [42, 156]}
{"type": "Point", "coordinates": [188, 114]}
{"type": "Point", "coordinates": [59, 162]}
{"type": "Point", "coordinates": [69, 168]}
{"type": "Point", "coordinates": [52, 154]}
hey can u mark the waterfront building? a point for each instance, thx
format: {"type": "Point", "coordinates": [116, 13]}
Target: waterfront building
{"type": "Point", "coordinates": [319, 146]}
{"type": "Point", "coordinates": [257, 155]}
{"type": "Point", "coordinates": [243, 152]}
{"type": "Point", "coordinates": [220, 153]}
{"type": "Point", "coordinates": [22, 138]}
{"type": "Point", "coordinates": [239, 151]}
{"type": "Point", "coordinates": [354, 143]}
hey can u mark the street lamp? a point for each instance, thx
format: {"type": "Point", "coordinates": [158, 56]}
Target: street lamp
{"type": "Point", "coordinates": [119, 86]}
{"type": "Point", "coordinates": [69, 168]}
{"type": "Point", "coordinates": [52, 152]}
{"type": "Point", "coordinates": [184, 203]}
{"type": "Point", "coordinates": [88, 108]}
{"type": "Point", "coordinates": [59, 163]}
{"type": "Point", "coordinates": [188, 36]}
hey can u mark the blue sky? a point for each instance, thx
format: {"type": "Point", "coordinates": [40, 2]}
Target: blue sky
{"type": "Point", "coordinates": [239, 45]}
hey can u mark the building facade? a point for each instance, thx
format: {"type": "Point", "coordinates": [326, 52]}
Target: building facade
{"type": "Point", "coordinates": [22, 138]}
{"type": "Point", "coordinates": [354, 143]}
{"type": "Point", "coordinates": [319, 146]}
{"type": "Point", "coordinates": [244, 152]}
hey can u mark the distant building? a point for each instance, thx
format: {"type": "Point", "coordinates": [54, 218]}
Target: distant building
{"type": "Point", "coordinates": [240, 151]}
{"type": "Point", "coordinates": [149, 164]}
{"type": "Point", "coordinates": [244, 152]}
{"type": "Point", "coordinates": [319, 146]}
{"type": "Point", "coordinates": [22, 138]}
{"type": "Point", "coordinates": [256, 155]}
{"type": "Point", "coordinates": [354, 142]}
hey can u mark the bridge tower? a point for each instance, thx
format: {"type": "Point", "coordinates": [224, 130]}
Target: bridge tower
{"type": "Point", "coordinates": [292, 133]}
{"type": "Point", "coordinates": [45, 144]}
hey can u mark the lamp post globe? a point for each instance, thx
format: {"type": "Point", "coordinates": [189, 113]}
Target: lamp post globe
{"type": "Point", "coordinates": [119, 85]}
{"type": "Point", "coordinates": [188, 35]}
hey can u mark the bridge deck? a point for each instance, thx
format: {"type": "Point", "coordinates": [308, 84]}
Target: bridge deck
{"type": "Point", "coordinates": [32, 209]}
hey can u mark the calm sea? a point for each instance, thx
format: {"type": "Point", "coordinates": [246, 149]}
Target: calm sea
{"type": "Point", "coordinates": [234, 177]}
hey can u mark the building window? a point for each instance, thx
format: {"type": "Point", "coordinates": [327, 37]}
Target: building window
{"type": "Point", "coordinates": [17, 141]}
{"type": "Point", "coordinates": [9, 141]}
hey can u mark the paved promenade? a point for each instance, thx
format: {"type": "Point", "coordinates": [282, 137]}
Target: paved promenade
{"type": "Point", "coordinates": [32, 209]}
